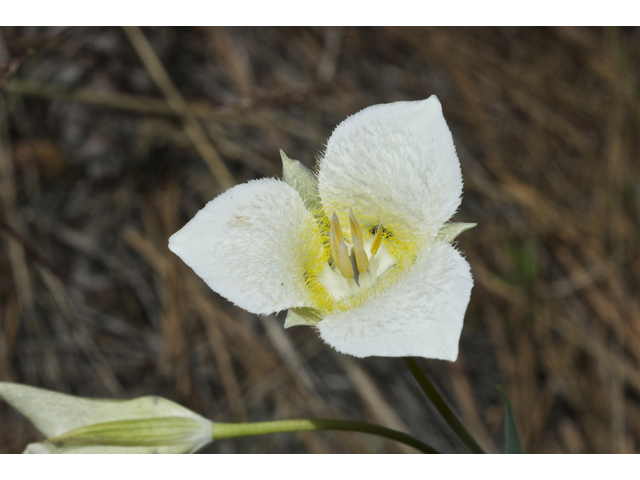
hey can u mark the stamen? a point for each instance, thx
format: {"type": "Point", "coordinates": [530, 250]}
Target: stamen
{"type": "Point", "coordinates": [362, 262]}
{"type": "Point", "coordinates": [335, 226]}
{"type": "Point", "coordinates": [356, 230]}
{"type": "Point", "coordinates": [377, 240]}
{"type": "Point", "coordinates": [343, 261]}
{"type": "Point", "coordinates": [335, 238]}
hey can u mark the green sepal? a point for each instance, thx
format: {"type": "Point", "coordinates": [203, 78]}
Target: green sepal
{"type": "Point", "coordinates": [303, 180]}
{"type": "Point", "coordinates": [511, 437]}
{"type": "Point", "coordinates": [142, 432]}
{"type": "Point", "coordinates": [302, 316]}
{"type": "Point", "coordinates": [450, 231]}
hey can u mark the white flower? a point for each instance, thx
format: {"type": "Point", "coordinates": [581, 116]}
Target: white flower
{"type": "Point", "coordinates": [394, 285]}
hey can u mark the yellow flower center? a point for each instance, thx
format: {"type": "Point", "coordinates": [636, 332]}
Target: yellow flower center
{"type": "Point", "coordinates": [348, 272]}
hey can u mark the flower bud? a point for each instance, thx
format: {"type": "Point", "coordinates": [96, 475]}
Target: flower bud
{"type": "Point", "coordinates": [81, 425]}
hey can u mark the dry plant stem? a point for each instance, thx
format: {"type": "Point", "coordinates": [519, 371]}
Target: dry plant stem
{"type": "Point", "coordinates": [117, 100]}
{"type": "Point", "coordinates": [9, 68]}
{"type": "Point", "coordinates": [442, 407]}
{"type": "Point", "coordinates": [191, 125]}
{"type": "Point", "coordinates": [231, 430]}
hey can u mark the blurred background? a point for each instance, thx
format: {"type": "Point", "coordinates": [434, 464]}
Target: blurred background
{"type": "Point", "coordinates": [111, 140]}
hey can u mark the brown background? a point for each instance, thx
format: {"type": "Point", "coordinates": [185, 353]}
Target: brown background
{"type": "Point", "coordinates": [107, 149]}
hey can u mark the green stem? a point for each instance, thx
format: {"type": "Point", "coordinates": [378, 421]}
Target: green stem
{"type": "Point", "coordinates": [231, 430]}
{"type": "Point", "coordinates": [441, 405]}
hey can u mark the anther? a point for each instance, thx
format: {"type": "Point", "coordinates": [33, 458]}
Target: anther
{"type": "Point", "coordinates": [377, 240]}
{"type": "Point", "coordinates": [336, 238]}
{"type": "Point", "coordinates": [335, 226]}
{"type": "Point", "coordinates": [362, 262]}
{"type": "Point", "coordinates": [356, 230]}
{"type": "Point", "coordinates": [343, 261]}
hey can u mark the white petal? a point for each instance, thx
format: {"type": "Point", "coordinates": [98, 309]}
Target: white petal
{"type": "Point", "coordinates": [419, 315]}
{"type": "Point", "coordinates": [250, 245]}
{"type": "Point", "coordinates": [394, 161]}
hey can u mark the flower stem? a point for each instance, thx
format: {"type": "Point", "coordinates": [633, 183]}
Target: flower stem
{"type": "Point", "coordinates": [430, 390]}
{"type": "Point", "coordinates": [231, 430]}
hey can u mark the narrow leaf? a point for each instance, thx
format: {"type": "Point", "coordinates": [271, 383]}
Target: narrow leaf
{"type": "Point", "coordinates": [512, 438]}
